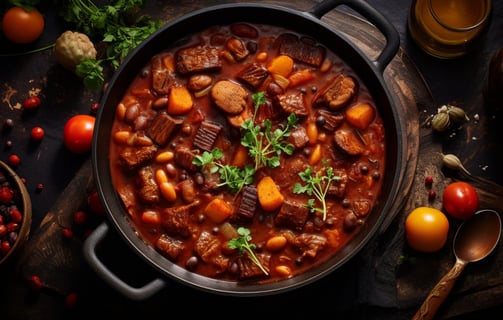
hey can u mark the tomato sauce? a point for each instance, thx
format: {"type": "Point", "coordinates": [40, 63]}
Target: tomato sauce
{"type": "Point", "coordinates": [200, 96]}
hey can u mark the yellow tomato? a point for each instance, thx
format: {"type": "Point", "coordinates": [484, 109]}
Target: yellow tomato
{"type": "Point", "coordinates": [426, 229]}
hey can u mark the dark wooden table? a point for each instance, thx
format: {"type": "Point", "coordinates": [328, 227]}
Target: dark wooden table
{"type": "Point", "coordinates": [376, 288]}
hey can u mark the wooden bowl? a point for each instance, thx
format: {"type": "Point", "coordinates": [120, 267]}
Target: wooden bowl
{"type": "Point", "coordinates": [20, 201]}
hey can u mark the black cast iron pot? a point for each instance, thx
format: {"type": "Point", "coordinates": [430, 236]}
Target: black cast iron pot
{"type": "Point", "coordinates": [309, 22]}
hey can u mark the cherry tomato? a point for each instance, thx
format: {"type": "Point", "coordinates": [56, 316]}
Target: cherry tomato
{"type": "Point", "coordinates": [31, 102]}
{"type": "Point", "coordinates": [37, 133]}
{"type": "Point", "coordinates": [78, 133]}
{"type": "Point", "coordinates": [426, 229]}
{"type": "Point", "coordinates": [22, 26]}
{"type": "Point", "coordinates": [460, 200]}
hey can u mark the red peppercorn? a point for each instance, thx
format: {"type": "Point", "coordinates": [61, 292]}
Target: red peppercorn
{"type": "Point", "coordinates": [40, 187]}
{"type": "Point", "coordinates": [5, 247]}
{"type": "Point", "coordinates": [37, 133]}
{"type": "Point", "coordinates": [71, 300]}
{"type": "Point", "coordinates": [14, 160]}
{"type": "Point", "coordinates": [35, 283]}
{"type": "Point", "coordinates": [428, 180]}
{"type": "Point", "coordinates": [94, 108]}
{"type": "Point", "coordinates": [3, 230]}
{"type": "Point", "coordinates": [79, 217]}
{"type": "Point", "coordinates": [31, 102]}
{"type": "Point", "coordinates": [67, 233]}
{"type": "Point", "coordinates": [431, 195]}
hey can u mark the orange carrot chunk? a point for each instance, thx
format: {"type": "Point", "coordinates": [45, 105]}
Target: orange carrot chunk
{"type": "Point", "coordinates": [179, 101]}
{"type": "Point", "coordinates": [218, 210]}
{"type": "Point", "coordinates": [360, 115]}
{"type": "Point", "coordinates": [269, 195]}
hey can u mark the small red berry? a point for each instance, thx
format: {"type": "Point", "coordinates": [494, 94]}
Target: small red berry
{"type": "Point", "coordinates": [31, 102]}
{"type": "Point", "coordinates": [79, 217]}
{"type": "Point", "coordinates": [16, 215]}
{"type": "Point", "coordinates": [6, 194]}
{"type": "Point", "coordinates": [4, 247]}
{"type": "Point", "coordinates": [428, 180]}
{"type": "Point", "coordinates": [14, 160]}
{"type": "Point", "coordinates": [37, 133]}
{"type": "Point", "coordinates": [35, 283]}
{"type": "Point", "coordinates": [94, 108]}
{"type": "Point", "coordinates": [431, 195]}
{"type": "Point", "coordinates": [71, 300]}
{"type": "Point", "coordinates": [67, 233]}
{"type": "Point", "coordinates": [40, 187]}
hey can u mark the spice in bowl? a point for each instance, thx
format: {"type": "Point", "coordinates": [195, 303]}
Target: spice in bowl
{"type": "Point", "coordinates": [15, 212]}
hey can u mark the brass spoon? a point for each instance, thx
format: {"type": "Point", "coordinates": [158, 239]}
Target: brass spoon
{"type": "Point", "coordinates": [474, 240]}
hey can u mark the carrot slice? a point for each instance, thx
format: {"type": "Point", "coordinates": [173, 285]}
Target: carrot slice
{"type": "Point", "coordinates": [282, 65]}
{"type": "Point", "coordinates": [269, 195]}
{"type": "Point", "coordinates": [179, 101]}
{"type": "Point", "coordinates": [218, 210]}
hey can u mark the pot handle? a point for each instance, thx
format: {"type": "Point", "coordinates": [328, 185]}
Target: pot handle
{"type": "Point", "coordinates": [108, 276]}
{"type": "Point", "coordinates": [372, 15]}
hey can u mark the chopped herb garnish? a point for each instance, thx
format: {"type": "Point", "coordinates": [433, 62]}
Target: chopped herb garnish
{"type": "Point", "coordinates": [317, 184]}
{"type": "Point", "coordinates": [265, 146]}
{"type": "Point", "coordinates": [231, 176]}
{"type": "Point", "coordinates": [242, 243]}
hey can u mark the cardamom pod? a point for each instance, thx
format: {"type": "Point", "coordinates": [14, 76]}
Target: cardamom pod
{"type": "Point", "coordinates": [457, 115]}
{"type": "Point", "coordinates": [451, 161]}
{"type": "Point", "coordinates": [440, 121]}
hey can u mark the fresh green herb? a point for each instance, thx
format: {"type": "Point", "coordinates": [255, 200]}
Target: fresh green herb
{"type": "Point", "coordinates": [232, 177]}
{"type": "Point", "coordinates": [317, 184]}
{"type": "Point", "coordinates": [265, 146]}
{"type": "Point", "coordinates": [112, 23]}
{"type": "Point", "coordinates": [242, 243]}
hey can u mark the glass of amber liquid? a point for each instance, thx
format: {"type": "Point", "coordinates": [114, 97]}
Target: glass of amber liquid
{"type": "Point", "coordinates": [448, 28]}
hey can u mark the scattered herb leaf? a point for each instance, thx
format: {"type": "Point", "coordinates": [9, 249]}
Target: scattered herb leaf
{"type": "Point", "coordinates": [242, 243]}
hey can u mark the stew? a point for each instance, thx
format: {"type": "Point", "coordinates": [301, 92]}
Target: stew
{"type": "Point", "coordinates": [247, 153]}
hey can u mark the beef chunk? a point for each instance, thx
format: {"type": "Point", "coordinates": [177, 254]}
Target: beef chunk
{"type": "Point", "coordinates": [301, 49]}
{"type": "Point", "coordinates": [331, 120]}
{"type": "Point", "coordinates": [148, 190]}
{"type": "Point", "coordinates": [337, 94]}
{"type": "Point", "coordinates": [206, 135]}
{"type": "Point", "coordinates": [176, 221]}
{"type": "Point", "coordinates": [208, 248]}
{"type": "Point", "coordinates": [229, 96]}
{"type": "Point", "coordinates": [169, 247]}
{"type": "Point", "coordinates": [249, 270]}
{"type": "Point", "coordinates": [298, 137]}
{"type": "Point", "coordinates": [310, 244]}
{"type": "Point", "coordinates": [248, 203]}
{"type": "Point", "coordinates": [198, 59]}
{"type": "Point", "coordinates": [253, 75]}
{"type": "Point", "coordinates": [292, 103]}
{"type": "Point", "coordinates": [132, 158]}
{"type": "Point", "coordinates": [161, 78]}
{"type": "Point", "coordinates": [184, 157]}
{"type": "Point", "coordinates": [292, 215]}
{"type": "Point", "coordinates": [162, 127]}
{"type": "Point", "coordinates": [349, 142]}
{"type": "Point", "coordinates": [338, 188]}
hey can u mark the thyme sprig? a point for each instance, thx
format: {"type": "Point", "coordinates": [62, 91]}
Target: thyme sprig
{"type": "Point", "coordinates": [242, 243]}
{"type": "Point", "coordinates": [264, 144]}
{"type": "Point", "coordinates": [317, 183]}
{"type": "Point", "coordinates": [231, 176]}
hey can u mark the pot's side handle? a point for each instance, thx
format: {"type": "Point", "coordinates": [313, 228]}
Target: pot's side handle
{"type": "Point", "coordinates": [373, 16]}
{"type": "Point", "coordinates": [108, 276]}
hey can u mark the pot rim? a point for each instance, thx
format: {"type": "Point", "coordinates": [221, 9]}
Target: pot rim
{"type": "Point", "coordinates": [369, 71]}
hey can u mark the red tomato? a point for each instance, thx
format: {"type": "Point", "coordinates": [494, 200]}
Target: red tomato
{"type": "Point", "coordinates": [426, 229]}
{"type": "Point", "coordinates": [78, 133]}
{"type": "Point", "coordinates": [460, 200]}
{"type": "Point", "coordinates": [22, 26]}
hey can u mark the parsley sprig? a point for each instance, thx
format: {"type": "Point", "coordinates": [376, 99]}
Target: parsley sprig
{"type": "Point", "coordinates": [242, 243]}
{"type": "Point", "coordinates": [317, 184]}
{"type": "Point", "coordinates": [112, 23]}
{"type": "Point", "coordinates": [231, 176]}
{"type": "Point", "coordinates": [264, 145]}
